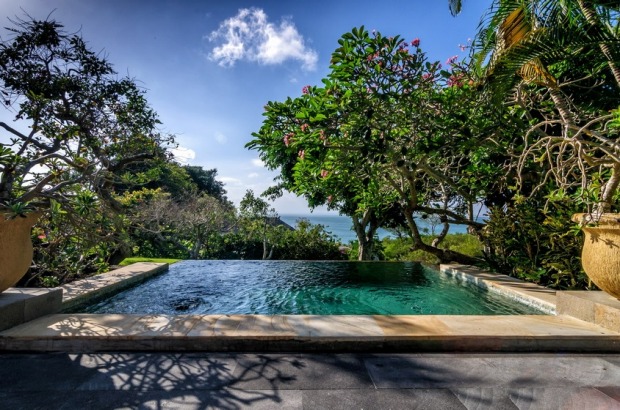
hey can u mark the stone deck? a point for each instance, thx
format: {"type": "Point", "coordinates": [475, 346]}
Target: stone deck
{"type": "Point", "coordinates": [199, 381]}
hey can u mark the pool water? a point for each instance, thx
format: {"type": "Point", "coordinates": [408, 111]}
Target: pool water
{"type": "Point", "coordinates": [302, 287]}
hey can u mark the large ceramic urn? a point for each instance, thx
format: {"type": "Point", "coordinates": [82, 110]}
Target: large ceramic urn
{"type": "Point", "coordinates": [15, 248]}
{"type": "Point", "coordinates": [600, 256]}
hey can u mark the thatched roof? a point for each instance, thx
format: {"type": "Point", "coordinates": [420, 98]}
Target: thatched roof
{"type": "Point", "coordinates": [276, 221]}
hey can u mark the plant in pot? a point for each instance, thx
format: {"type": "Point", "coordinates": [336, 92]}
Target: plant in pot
{"type": "Point", "coordinates": [75, 125]}
{"type": "Point", "coordinates": [555, 64]}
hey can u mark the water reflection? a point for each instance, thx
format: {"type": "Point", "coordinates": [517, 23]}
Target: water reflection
{"type": "Point", "coordinates": [299, 287]}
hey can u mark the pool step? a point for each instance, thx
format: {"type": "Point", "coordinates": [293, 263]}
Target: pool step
{"type": "Point", "coordinates": [85, 291]}
{"type": "Point", "coordinates": [92, 332]}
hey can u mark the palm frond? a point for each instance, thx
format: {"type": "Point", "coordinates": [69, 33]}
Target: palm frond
{"type": "Point", "coordinates": [518, 40]}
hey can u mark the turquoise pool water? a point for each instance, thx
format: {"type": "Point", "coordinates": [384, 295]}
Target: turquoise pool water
{"type": "Point", "coordinates": [301, 287]}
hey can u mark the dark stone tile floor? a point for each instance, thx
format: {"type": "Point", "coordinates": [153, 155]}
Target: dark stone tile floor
{"type": "Point", "coordinates": [309, 381]}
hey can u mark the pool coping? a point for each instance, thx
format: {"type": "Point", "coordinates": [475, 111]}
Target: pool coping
{"type": "Point", "coordinates": [85, 291]}
{"type": "Point", "coordinates": [103, 332]}
{"type": "Point", "coordinates": [530, 294]}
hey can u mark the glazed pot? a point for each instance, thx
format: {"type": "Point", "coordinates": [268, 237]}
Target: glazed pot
{"type": "Point", "coordinates": [600, 256]}
{"type": "Point", "coordinates": [15, 248]}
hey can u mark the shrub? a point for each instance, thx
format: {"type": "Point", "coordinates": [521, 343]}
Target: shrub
{"type": "Point", "coordinates": [535, 240]}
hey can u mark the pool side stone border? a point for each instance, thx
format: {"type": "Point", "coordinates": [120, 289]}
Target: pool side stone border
{"type": "Point", "coordinates": [89, 290]}
{"type": "Point", "coordinates": [21, 305]}
{"type": "Point", "coordinates": [595, 307]}
{"type": "Point", "coordinates": [81, 332]}
{"type": "Point", "coordinates": [538, 297]}
{"type": "Point", "coordinates": [308, 333]}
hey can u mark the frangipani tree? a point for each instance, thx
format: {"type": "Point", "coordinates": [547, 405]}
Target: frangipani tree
{"type": "Point", "coordinates": [294, 138]}
{"type": "Point", "coordinates": [382, 132]}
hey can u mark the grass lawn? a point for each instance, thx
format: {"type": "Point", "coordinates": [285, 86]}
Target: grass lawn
{"type": "Point", "coordinates": [136, 259]}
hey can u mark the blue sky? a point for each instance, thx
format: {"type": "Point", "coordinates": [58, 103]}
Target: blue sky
{"type": "Point", "coordinates": [209, 86]}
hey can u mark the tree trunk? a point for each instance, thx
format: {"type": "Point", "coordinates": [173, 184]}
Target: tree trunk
{"type": "Point", "coordinates": [563, 109]}
{"type": "Point", "coordinates": [365, 249]}
{"type": "Point", "coordinates": [442, 234]}
{"type": "Point", "coordinates": [443, 255]}
{"type": "Point", "coordinates": [608, 190]}
{"type": "Point", "coordinates": [446, 256]}
{"type": "Point", "coordinates": [119, 254]}
{"type": "Point", "coordinates": [591, 17]}
{"type": "Point", "coordinates": [266, 254]}
{"type": "Point", "coordinates": [366, 240]}
{"type": "Point", "coordinates": [271, 253]}
{"type": "Point", "coordinates": [444, 221]}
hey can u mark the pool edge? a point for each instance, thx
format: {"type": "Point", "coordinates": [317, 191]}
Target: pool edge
{"type": "Point", "coordinates": [308, 333]}
{"type": "Point", "coordinates": [530, 294]}
{"type": "Point", "coordinates": [85, 291]}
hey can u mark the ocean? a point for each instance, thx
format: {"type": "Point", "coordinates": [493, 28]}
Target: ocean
{"type": "Point", "coordinates": [342, 227]}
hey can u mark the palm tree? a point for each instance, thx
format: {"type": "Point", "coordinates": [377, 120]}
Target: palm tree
{"type": "Point", "coordinates": [521, 42]}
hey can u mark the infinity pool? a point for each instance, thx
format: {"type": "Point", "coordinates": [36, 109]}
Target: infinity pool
{"type": "Point", "coordinates": [302, 287]}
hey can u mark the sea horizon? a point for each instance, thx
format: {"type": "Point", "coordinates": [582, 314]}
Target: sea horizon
{"type": "Point", "coordinates": [342, 227]}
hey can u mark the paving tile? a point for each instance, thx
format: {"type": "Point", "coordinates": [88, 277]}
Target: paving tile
{"type": "Point", "coordinates": [207, 380]}
{"type": "Point", "coordinates": [266, 326]}
{"type": "Point", "coordinates": [41, 372]}
{"type": "Point", "coordinates": [104, 400]}
{"type": "Point", "coordinates": [613, 392]}
{"type": "Point", "coordinates": [485, 325]}
{"type": "Point", "coordinates": [565, 326]}
{"type": "Point", "coordinates": [554, 371]}
{"type": "Point", "coordinates": [410, 325]}
{"type": "Point", "coordinates": [411, 371]}
{"type": "Point", "coordinates": [304, 371]}
{"type": "Point", "coordinates": [335, 326]}
{"type": "Point", "coordinates": [394, 399]}
{"type": "Point", "coordinates": [482, 398]}
{"type": "Point", "coordinates": [611, 358]}
{"type": "Point", "coordinates": [562, 399]}
{"type": "Point", "coordinates": [227, 399]}
{"type": "Point", "coordinates": [523, 326]}
{"type": "Point", "coordinates": [151, 372]}
{"type": "Point", "coordinates": [406, 371]}
{"type": "Point", "coordinates": [75, 325]}
{"type": "Point", "coordinates": [216, 325]}
{"type": "Point", "coordinates": [38, 400]}
{"type": "Point", "coordinates": [163, 325]}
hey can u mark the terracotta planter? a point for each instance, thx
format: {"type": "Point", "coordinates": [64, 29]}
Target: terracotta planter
{"type": "Point", "coordinates": [600, 256]}
{"type": "Point", "coordinates": [15, 248]}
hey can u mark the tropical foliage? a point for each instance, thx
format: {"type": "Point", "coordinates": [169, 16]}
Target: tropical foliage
{"type": "Point", "coordinates": [76, 122]}
{"type": "Point", "coordinates": [557, 63]}
{"type": "Point", "coordinates": [526, 130]}
{"type": "Point", "coordinates": [364, 144]}
{"type": "Point", "coordinates": [389, 136]}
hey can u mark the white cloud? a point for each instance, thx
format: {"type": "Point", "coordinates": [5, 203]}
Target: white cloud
{"type": "Point", "coordinates": [221, 138]}
{"type": "Point", "coordinates": [230, 181]}
{"type": "Point", "coordinates": [183, 155]}
{"type": "Point", "coordinates": [253, 175]}
{"type": "Point", "coordinates": [258, 163]}
{"type": "Point", "coordinates": [250, 36]}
